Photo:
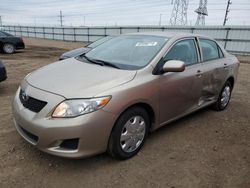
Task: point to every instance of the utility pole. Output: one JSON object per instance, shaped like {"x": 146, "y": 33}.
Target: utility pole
{"x": 160, "y": 20}
{"x": 1, "y": 23}
{"x": 179, "y": 12}
{"x": 227, "y": 10}
{"x": 61, "y": 18}
{"x": 202, "y": 12}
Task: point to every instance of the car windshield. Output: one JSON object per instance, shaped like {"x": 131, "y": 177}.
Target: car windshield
{"x": 98, "y": 42}
{"x": 6, "y": 34}
{"x": 129, "y": 52}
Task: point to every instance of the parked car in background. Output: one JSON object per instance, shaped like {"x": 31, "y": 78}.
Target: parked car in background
{"x": 9, "y": 43}
{"x": 110, "y": 98}
{"x": 80, "y": 51}
{"x": 3, "y": 72}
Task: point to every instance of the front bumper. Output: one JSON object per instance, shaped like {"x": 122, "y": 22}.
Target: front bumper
{"x": 91, "y": 131}
{"x": 20, "y": 45}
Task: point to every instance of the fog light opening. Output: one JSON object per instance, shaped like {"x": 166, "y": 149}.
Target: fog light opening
{"x": 70, "y": 144}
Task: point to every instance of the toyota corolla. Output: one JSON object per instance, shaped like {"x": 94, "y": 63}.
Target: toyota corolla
{"x": 111, "y": 97}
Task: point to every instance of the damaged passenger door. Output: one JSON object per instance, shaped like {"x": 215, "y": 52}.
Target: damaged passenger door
{"x": 214, "y": 68}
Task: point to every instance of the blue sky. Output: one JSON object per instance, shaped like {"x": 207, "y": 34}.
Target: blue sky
{"x": 115, "y": 12}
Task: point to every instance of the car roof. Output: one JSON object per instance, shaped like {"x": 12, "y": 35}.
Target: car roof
{"x": 168, "y": 34}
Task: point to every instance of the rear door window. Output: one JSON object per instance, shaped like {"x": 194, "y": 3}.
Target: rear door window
{"x": 210, "y": 50}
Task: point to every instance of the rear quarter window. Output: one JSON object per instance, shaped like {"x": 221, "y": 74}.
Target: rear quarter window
{"x": 220, "y": 52}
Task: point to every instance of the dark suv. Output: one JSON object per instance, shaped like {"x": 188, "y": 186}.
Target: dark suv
{"x": 9, "y": 43}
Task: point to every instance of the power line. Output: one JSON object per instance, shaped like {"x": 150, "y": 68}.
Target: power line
{"x": 128, "y": 11}
{"x": 227, "y": 10}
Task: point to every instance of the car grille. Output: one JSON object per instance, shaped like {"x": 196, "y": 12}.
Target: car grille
{"x": 31, "y": 103}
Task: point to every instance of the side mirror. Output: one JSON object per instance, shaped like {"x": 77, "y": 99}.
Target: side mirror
{"x": 173, "y": 66}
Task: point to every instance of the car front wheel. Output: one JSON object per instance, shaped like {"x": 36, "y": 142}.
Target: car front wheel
{"x": 129, "y": 133}
{"x": 224, "y": 97}
{"x": 8, "y": 48}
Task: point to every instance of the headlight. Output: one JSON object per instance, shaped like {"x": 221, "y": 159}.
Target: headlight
{"x": 77, "y": 107}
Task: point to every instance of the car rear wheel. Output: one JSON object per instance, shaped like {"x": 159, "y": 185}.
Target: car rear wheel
{"x": 8, "y": 48}
{"x": 129, "y": 133}
{"x": 224, "y": 97}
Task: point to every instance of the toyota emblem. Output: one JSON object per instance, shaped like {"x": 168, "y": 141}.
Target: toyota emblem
{"x": 25, "y": 97}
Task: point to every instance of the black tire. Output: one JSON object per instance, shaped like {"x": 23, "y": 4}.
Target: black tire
{"x": 218, "y": 105}
{"x": 8, "y": 48}
{"x": 114, "y": 146}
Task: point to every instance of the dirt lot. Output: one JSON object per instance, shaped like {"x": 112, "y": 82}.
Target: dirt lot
{"x": 205, "y": 149}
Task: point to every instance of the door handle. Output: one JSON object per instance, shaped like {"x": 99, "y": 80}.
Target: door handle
{"x": 225, "y": 65}
{"x": 199, "y": 73}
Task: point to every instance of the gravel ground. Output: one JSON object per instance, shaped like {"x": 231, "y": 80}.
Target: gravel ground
{"x": 205, "y": 149}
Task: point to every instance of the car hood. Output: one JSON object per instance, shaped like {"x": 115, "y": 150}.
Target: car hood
{"x": 76, "y": 79}
{"x": 75, "y": 52}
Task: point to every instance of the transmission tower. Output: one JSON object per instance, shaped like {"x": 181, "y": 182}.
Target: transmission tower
{"x": 202, "y": 12}
{"x": 179, "y": 12}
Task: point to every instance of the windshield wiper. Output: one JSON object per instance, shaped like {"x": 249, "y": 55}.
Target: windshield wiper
{"x": 100, "y": 62}
{"x": 106, "y": 63}
{"x": 91, "y": 60}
